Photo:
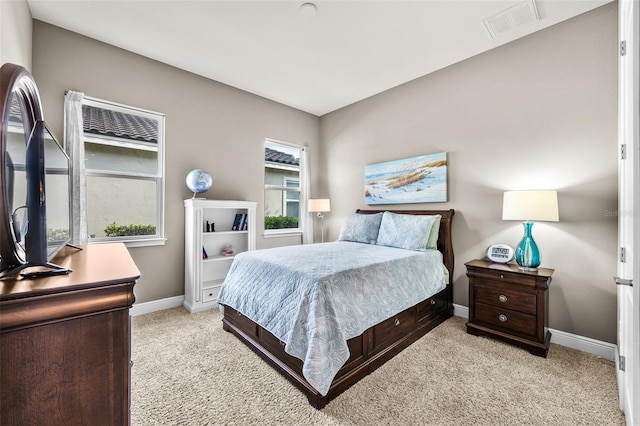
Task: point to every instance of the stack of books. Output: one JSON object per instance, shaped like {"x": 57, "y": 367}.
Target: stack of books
{"x": 240, "y": 222}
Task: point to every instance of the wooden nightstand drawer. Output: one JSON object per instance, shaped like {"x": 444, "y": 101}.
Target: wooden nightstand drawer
{"x": 506, "y": 299}
{"x": 504, "y": 318}
{"x": 499, "y": 276}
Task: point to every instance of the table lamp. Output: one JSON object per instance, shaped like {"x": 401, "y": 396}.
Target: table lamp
{"x": 529, "y": 206}
{"x": 320, "y": 205}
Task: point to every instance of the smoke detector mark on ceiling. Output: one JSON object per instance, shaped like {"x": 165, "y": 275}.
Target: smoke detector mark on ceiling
{"x": 511, "y": 18}
{"x": 308, "y": 9}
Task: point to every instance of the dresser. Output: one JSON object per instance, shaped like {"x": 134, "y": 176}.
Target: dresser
{"x": 65, "y": 341}
{"x": 509, "y": 304}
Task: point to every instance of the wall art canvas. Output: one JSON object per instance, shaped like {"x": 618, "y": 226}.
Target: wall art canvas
{"x": 420, "y": 179}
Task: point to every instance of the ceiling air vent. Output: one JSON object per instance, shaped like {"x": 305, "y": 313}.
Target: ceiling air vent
{"x": 511, "y": 18}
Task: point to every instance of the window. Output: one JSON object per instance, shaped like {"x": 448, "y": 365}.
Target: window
{"x": 282, "y": 188}
{"x": 124, "y": 173}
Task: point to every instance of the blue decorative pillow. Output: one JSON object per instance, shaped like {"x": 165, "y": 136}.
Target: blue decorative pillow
{"x": 405, "y": 231}
{"x": 361, "y": 228}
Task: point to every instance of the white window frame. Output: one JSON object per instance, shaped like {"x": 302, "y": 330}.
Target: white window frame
{"x": 286, "y": 200}
{"x": 287, "y": 232}
{"x": 159, "y": 178}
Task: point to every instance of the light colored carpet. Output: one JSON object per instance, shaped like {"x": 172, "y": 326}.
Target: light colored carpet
{"x": 188, "y": 371}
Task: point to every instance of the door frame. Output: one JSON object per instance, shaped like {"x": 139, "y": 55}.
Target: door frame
{"x": 628, "y": 348}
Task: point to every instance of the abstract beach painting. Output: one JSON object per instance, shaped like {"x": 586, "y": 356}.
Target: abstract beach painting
{"x": 420, "y": 179}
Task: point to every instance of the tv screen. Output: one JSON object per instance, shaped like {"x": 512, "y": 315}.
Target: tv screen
{"x": 57, "y": 186}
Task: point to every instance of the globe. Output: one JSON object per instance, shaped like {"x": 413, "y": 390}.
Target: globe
{"x": 198, "y": 181}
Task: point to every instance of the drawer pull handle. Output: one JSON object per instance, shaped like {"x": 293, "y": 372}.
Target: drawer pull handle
{"x": 501, "y": 276}
{"x": 433, "y": 302}
{"x": 503, "y": 318}
{"x": 502, "y": 298}
{"x": 397, "y": 322}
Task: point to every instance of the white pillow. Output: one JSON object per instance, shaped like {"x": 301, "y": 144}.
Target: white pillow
{"x": 361, "y": 228}
{"x": 406, "y": 231}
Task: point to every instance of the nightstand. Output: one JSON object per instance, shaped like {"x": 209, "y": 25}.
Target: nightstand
{"x": 509, "y": 304}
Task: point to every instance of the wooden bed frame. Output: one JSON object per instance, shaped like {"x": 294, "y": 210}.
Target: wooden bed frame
{"x": 372, "y": 348}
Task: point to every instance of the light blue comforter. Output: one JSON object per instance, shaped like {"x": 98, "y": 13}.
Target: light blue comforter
{"x": 315, "y": 297}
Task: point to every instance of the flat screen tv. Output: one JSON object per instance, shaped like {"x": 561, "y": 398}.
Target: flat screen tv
{"x": 35, "y": 212}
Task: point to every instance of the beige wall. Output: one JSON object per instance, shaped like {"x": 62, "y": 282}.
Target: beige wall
{"x": 208, "y": 125}
{"x": 537, "y": 113}
{"x": 15, "y": 33}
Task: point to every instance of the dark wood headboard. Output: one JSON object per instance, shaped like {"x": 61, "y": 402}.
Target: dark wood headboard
{"x": 445, "y": 244}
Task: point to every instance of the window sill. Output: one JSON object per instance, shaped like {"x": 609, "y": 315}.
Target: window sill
{"x": 282, "y": 233}
{"x": 134, "y": 243}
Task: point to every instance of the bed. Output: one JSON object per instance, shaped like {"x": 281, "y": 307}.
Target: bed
{"x": 339, "y": 318}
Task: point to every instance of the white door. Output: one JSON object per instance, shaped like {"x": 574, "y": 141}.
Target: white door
{"x": 628, "y": 284}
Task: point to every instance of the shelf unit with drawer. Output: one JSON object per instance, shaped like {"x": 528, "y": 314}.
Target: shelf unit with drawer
{"x": 203, "y": 277}
{"x": 509, "y": 304}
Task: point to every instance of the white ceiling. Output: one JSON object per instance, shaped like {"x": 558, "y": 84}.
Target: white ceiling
{"x": 346, "y": 52}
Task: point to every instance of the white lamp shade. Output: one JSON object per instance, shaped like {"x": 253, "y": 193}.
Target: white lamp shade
{"x": 530, "y": 206}
{"x": 319, "y": 205}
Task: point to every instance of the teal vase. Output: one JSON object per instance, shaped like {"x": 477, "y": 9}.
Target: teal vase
{"x": 527, "y": 253}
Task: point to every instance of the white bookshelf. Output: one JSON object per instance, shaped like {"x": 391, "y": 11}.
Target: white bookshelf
{"x": 204, "y": 277}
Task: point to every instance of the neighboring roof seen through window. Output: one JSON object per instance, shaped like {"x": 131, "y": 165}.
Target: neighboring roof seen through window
{"x": 106, "y": 122}
{"x": 280, "y": 157}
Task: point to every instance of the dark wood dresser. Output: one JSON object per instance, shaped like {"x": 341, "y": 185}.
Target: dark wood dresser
{"x": 65, "y": 341}
{"x": 509, "y": 304}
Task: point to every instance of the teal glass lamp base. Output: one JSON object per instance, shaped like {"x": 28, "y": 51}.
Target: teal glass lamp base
{"x": 527, "y": 253}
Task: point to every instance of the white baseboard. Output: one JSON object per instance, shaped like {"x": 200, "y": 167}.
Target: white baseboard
{"x": 585, "y": 344}
{"x": 156, "y": 305}
{"x": 460, "y": 311}
{"x": 573, "y": 341}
